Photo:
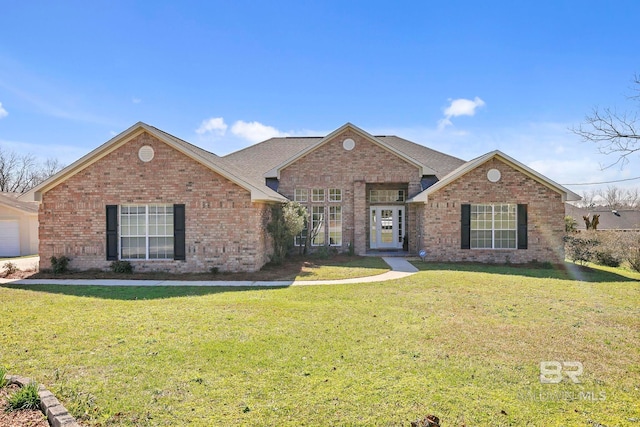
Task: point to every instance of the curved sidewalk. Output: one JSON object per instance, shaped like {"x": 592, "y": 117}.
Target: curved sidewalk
{"x": 400, "y": 268}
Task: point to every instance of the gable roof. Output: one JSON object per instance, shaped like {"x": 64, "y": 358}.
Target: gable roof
{"x": 567, "y": 195}
{"x": 11, "y": 200}
{"x": 610, "y": 219}
{"x": 268, "y": 158}
{"x": 259, "y": 191}
{"x": 424, "y": 169}
{"x": 257, "y": 159}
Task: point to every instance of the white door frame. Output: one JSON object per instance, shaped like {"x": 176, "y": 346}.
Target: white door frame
{"x": 379, "y": 228}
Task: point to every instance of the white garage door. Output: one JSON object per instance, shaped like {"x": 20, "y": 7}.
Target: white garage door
{"x": 9, "y": 238}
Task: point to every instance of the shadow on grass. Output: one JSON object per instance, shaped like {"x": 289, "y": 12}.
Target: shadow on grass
{"x": 132, "y": 293}
{"x": 566, "y": 271}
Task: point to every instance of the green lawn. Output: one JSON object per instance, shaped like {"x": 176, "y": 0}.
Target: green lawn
{"x": 464, "y": 343}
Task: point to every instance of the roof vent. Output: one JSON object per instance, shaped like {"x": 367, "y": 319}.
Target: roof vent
{"x": 348, "y": 144}
{"x": 146, "y": 153}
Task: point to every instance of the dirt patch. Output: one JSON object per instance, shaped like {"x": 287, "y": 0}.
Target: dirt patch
{"x": 289, "y": 270}
{"x": 26, "y": 418}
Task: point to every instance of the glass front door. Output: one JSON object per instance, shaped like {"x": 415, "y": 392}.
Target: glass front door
{"x": 387, "y": 227}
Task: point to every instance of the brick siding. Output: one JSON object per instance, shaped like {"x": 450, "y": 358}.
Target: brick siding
{"x": 331, "y": 166}
{"x": 439, "y": 219}
{"x": 224, "y": 228}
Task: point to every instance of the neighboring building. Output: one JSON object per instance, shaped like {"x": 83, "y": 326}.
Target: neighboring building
{"x": 18, "y": 226}
{"x": 609, "y": 219}
{"x": 164, "y": 204}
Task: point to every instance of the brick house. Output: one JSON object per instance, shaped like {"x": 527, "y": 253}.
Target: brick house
{"x": 164, "y": 204}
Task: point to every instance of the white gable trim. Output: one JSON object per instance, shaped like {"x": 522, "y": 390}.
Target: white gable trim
{"x": 257, "y": 193}
{"x": 275, "y": 172}
{"x": 567, "y": 195}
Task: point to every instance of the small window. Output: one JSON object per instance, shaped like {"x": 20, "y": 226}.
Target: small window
{"x": 317, "y": 195}
{"x": 301, "y": 195}
{"x": 386, "y": 196}
{"x": 335, "y": 195}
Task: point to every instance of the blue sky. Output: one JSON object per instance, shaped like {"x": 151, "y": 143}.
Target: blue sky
{"x": 462, "y": 77}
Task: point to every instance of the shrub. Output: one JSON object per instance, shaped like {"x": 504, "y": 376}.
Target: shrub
{"x": 25, "y": 398}
{"x": 59, "y": 265}
{"x": 632, "y": 250}
{"x": 214, "y": 270}
{"x": 121, "y": 267}
{"x": 3, "y": 380}
{"x": 322, "y": 252}
{"x": 351, "y": 251}
{"x": 607, "y": 257}
{"x": 581, "y": 248}
{"x": 10, "y": 268}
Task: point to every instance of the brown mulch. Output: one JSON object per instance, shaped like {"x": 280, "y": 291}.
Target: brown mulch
{"x": 25, "y": 418}
{"x": 288, "y": 270}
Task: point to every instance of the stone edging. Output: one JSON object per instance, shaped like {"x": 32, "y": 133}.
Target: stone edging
{"x": 57, "y": 415}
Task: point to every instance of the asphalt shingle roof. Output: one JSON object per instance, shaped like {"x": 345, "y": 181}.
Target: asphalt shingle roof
{"x": 622, "y": 219}
{"x": 10, "y": 199}
{"x": 260, "y": 158}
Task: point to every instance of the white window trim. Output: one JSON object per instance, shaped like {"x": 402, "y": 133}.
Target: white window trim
{"x": 338, "y": 228}
{"x": 338, "y": 192}
{"x": 313, "y": 199}
{"x": 298, "y": 199}
{"x": 146, "y": 237}
{"x": 493, "y": 228}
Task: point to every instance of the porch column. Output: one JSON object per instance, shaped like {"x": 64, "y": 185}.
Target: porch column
{"x": 360, "y": 215}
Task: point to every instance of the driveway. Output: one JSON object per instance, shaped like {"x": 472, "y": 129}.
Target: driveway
{"x": 23, "y": 263}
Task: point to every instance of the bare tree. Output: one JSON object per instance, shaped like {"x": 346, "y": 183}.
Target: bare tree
{"x": 20, "y": 172}
{"x": 613, "y": 196}
{"x": 588, "y": 199}
{"x": 613, "y": 132}
{"x": 632, "y": 198}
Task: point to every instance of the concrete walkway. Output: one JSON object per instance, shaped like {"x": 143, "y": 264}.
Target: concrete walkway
{"x": 400, "y": 268}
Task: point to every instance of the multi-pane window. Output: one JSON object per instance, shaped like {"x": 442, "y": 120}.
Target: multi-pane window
{"x": 494, "y": 226}
{"x": 300, "y": 195}
{"x": 386, "y": 196}
{"x": 317, "y": 195}
{"x": 146, "y": 232}
{"x": 335, "y": 195}
{"x": 317, "y": 225}
{"x": 335, "y": 225}
{"x": 301, "y": 238}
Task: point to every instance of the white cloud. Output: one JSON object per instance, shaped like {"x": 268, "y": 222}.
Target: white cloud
{"x": 214, "y": 125}
{"x": 460, "y": 107}
{"x": 136, "y": 100}
{"x": 3, "y": 112}
{"x": 255, "y": 131}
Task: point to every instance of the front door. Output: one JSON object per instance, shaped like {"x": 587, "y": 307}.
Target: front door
{"x": 387, "y": 227}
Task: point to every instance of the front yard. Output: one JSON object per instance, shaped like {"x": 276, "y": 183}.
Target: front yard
{"x": 463, "y": 343}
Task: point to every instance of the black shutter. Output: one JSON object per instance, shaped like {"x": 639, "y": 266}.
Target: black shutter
{"x": 112, "y": 232}
{"x": 179, "y": 252}
{"x": 522, "y": 227}
{"x": 466, "y": 227}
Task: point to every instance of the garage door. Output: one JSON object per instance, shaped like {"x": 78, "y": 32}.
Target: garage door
{"x": 9, "y": 238}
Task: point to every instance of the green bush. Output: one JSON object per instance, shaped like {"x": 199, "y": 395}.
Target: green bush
{"x": 322, "y": 252}
{"x": 3, "y": 380}
{"x": 607, "y": 257}
{"x": 25, "y": 398}
{"x": 59, "y": 265}
{"x": 581, "y": 248}
{"x": 121, "y": 267}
